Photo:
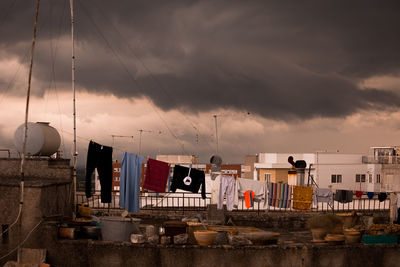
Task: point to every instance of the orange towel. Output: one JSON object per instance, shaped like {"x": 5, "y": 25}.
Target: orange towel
{"x": 249, "y": 198}
{"x": 302, "y": 197}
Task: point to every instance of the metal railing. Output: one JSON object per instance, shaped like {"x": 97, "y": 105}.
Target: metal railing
{"x": 381, "y": 159}
{"x": 181, "y": 202}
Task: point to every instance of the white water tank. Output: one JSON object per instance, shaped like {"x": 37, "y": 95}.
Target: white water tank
{"x": 42, "y": 139}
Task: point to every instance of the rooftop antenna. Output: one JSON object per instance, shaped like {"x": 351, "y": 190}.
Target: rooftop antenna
{"x": 120, "y": 136}
{"x": 216, "y": 128}
{"x": 75, "y": 155}
{"x": 25, "y": 132}
{"x": 216, "y": 133}
{"x": 140, "y": 137}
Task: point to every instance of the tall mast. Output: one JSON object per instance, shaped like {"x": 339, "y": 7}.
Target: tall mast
{"x": 75, "y": 155}
{"x": 216, "y": 132}
{"x": 22, "y": 166}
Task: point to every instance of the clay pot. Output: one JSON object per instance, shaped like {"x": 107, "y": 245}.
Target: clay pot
{"x": 66, "y": 232}
{"x": 352, "y": 236}
{"x": 335, "y": 239}
{"x": 205, "y": 237}
{"x": 262, "y": 237}
{"x": 192, "y": 227}
{"x": 318, "y": 234}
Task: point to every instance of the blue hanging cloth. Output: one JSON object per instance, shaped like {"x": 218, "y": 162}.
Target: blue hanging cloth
{"x": 131, "y": 170}
{"x": 370, "y": 195}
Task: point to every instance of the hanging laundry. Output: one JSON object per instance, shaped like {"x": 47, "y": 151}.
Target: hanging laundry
{"x": 393, "y": 210}
{"x": 249, "y": 198}
{"x": 169, "y": 179}
{"x": 397, "y": 217}
{"x": 359, "y": 194}
{"x": 131, "y": 170}
{"x": 344, "y": 196}
{"x": 279, "y": 195}
{"x": 99, "y": 157}
{"x": 285, "y": 197}
{"x": 215, "y": 186}
{"x": 156, "y": 175}
{"x": 302, "y": 197}
{"x": 272, "y": 197}
{"x": 288, "y": 196}
{"x": 259, "y": 188}
{"x": 323, "y": 195}
{"x": 227, "y": 187}
{"x": 188, "y": 179}
{"x": 271, "y": 193}
{"x": 382, "y": 197}
{"x": 370, "y": 195}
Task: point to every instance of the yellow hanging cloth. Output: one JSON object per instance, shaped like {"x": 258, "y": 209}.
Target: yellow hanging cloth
{"x": 302, "y": 197}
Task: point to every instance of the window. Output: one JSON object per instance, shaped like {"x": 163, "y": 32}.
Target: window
{"x": 370, "y": 177}
{"x": 360, "y": 178}
{"x": 267, "y": 177}
{"x": 378, "y": 178}
{"x": 336, "y": 178}
{"x": 363, "y": 178}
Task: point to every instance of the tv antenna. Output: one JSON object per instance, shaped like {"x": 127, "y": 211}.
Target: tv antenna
{"x": 141, "y": 131}
{"x": 120, "y": 136}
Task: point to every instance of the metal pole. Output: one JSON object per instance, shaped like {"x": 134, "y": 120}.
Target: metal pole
{"x": 75, "y": 155}
{"x": 140, "y": 140}
{"x": 22, "y": 181}
{"x": 216, "y": 132}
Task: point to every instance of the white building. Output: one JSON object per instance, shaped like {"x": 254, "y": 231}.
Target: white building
{"x": 379, "y": 171}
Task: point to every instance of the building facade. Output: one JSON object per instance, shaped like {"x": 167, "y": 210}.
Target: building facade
{"x": 376, "y": 172}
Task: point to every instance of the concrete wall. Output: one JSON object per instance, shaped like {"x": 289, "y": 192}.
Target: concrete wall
{"x": 39, "y": 201}
{"x": 42, "y": 168}
{"x": 325, "y": 164}
{"x": 105, "y": 253}
{"x": 47, "y": 192}
{"x": 347, "y": 165}
{"x": 101, "y": 253}
{"x": 249, "y": 161}
{"x": 277, "y": 175}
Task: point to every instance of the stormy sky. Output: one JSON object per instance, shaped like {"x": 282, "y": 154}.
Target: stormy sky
{"x": 282, "y": 76}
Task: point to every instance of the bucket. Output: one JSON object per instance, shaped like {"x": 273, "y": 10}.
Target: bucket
{"x": 84, "y": 211}
{"x": 193, "y": 226}
{"x": 173, "y": 228}
{"x": 119, "y": 228}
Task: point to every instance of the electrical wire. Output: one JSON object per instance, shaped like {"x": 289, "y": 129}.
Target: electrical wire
{"x": 22, "y": 183}
{"x": 7, "y": 13}
{"x": 4, "y": 94}
{"x": 53, "y": 54}
{"x": 20, "y": 244}
{"x": 134, "y": 80}
{"x": 88, "y": 139}
{"x": 16, "y": 220}
{"x": 152, "y": 76}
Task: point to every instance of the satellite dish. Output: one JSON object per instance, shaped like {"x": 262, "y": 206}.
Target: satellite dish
{"x": 216, "y": 162}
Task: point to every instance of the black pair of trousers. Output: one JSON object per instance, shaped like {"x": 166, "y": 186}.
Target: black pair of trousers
{"x": 99, "y": 157}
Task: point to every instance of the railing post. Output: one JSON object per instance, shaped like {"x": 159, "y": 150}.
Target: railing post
{"x": 183, "y": 203}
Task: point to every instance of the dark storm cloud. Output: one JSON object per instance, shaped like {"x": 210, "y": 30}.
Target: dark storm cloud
{"x": 282, "y": 60}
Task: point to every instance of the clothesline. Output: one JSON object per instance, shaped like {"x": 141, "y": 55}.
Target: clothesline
{"x": 156, "y": 177}
{"x": 133, "y": 178}
{"x": 91, "y": 139}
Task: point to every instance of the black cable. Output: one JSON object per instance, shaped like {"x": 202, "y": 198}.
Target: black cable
{"x": 152, "y": 76}
{"x": 130, "y": 75}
